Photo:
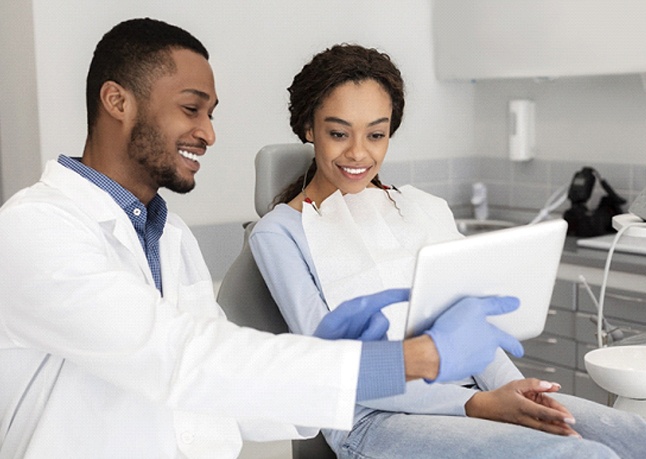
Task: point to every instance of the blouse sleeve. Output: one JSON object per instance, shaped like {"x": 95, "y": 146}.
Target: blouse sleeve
{"x": 279, "y": 247}
{"x": 289, "y": 273}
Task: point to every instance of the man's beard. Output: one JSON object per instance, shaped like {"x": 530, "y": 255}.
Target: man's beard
{"x": 148, "y": 147}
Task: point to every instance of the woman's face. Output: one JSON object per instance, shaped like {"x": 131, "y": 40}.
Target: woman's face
{"x": 350, "y": 136}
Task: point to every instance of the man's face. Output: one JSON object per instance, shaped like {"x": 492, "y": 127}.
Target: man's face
{"x": 173, "y": 127}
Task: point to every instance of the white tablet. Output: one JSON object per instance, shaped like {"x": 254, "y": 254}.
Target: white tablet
{"x": 521, "y": 261}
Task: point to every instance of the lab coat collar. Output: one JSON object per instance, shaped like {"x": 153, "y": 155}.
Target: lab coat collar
{"x": 99, "y": 206}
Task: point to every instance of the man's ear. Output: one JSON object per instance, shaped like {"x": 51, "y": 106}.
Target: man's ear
{"x": 117, "y": 101}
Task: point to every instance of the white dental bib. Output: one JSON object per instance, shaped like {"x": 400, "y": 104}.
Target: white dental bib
{"x": 367, "y": 242}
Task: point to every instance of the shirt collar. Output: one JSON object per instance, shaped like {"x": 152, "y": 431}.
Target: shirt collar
{"x": 157, "y": 209}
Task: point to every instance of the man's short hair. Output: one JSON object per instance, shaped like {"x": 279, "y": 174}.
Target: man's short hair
{"x": 134, "y": 54}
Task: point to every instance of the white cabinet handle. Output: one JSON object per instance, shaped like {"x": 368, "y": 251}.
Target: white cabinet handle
{"x": 529, "y": 366}
{"x": 619, "y": 296}
{"x": 546, "y": 340}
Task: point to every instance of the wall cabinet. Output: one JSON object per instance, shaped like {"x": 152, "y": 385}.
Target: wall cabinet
{"x": 546, "y": 38}
{"x": 570, "y": 332}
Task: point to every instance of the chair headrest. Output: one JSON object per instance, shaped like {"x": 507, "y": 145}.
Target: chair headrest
{"x": 276, "y": 167}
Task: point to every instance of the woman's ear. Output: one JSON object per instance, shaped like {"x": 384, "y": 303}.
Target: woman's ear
{"x": 309, "y": 135}
{"x": 116, "y": 100}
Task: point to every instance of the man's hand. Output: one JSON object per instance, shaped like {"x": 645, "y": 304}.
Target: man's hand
{"x": 524, "y": 402}
{"x": 466, "y": 341}
{"x": 360, "y": 318}
{"x": 461, "y": 343}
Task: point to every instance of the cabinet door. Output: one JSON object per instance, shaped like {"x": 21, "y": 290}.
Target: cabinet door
{"x": 545, "y": 38}
{"x": 619, "y": 304}
{"x": 552, "y": 349}
{"x": 560, "y": 322}
{"x": 623, "y": 309}
{"x": 585, "y": 387}
{"x": 581, "y": 350}
{"x": 586, "y": 328}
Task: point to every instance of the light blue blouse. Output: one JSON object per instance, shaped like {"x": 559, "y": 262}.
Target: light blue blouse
{"x": 280, "y": 248}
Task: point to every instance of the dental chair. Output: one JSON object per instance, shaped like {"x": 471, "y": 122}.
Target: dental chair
{"x": 243, "y": 294}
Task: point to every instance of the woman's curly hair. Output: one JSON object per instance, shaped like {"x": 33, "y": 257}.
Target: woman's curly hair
{"x": 336, "y": 66}
{"x": 326, "y": 71}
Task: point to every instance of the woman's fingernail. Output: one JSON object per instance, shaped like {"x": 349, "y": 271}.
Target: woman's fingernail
{"x": 570, "y": 421}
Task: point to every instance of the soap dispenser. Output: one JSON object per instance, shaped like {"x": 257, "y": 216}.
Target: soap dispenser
{"x": 522, "y": 136}
{"x": 479, "y": 201}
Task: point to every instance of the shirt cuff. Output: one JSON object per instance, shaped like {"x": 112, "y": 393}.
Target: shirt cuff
{"x": 381, "y": 370}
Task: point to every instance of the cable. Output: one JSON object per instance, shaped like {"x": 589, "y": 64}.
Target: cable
{"x": 610, "y": 331}
{"x": 556, "y": 199}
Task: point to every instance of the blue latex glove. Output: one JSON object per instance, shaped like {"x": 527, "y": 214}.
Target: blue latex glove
{"x": 466, "y": 341}
{"x": 360, "y": 318}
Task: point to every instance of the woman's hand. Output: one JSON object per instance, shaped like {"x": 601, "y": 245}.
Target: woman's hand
{"x": 524, "y": 402}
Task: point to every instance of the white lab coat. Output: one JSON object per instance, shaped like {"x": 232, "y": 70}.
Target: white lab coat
{"x": 95, "y": 363}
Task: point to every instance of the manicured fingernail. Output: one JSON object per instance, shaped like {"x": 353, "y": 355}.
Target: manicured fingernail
{"x": 545, "y": 385}
{"x": 556, "y": 384}
{"x": 570, "y": 421}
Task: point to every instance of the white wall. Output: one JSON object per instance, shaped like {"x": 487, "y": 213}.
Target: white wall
{"x": 19, "y": 141}
{"x": 256, "y": 49}
{"x": 600, "y": 119}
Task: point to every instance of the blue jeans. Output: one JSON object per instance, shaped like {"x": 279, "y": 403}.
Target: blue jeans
{"x": 606, "y": 432}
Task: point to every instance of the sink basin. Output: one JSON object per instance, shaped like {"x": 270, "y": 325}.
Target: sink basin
{"x": 620, "y": 370}
{"x": 469, "y": 226}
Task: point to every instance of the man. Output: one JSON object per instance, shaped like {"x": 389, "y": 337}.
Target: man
{"x": 111, "y": 343}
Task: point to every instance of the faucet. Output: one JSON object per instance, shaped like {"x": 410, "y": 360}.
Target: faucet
{"x": 479, "y": 201}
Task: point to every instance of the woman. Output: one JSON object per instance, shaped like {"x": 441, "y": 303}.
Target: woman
{"x": 337, "y": 232}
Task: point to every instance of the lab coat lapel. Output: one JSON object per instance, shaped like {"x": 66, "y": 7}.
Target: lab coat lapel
{"x": 125, "y": 234}
{"x": 100, "y": 207}
{"x": 170, "y": 258}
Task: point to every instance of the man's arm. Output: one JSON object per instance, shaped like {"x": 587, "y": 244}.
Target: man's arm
{"x": 460, "y": 343}
{"x": 421, "y": 358}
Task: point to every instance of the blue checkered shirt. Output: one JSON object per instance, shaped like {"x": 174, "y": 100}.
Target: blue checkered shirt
{"x": 148, "y": 221}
